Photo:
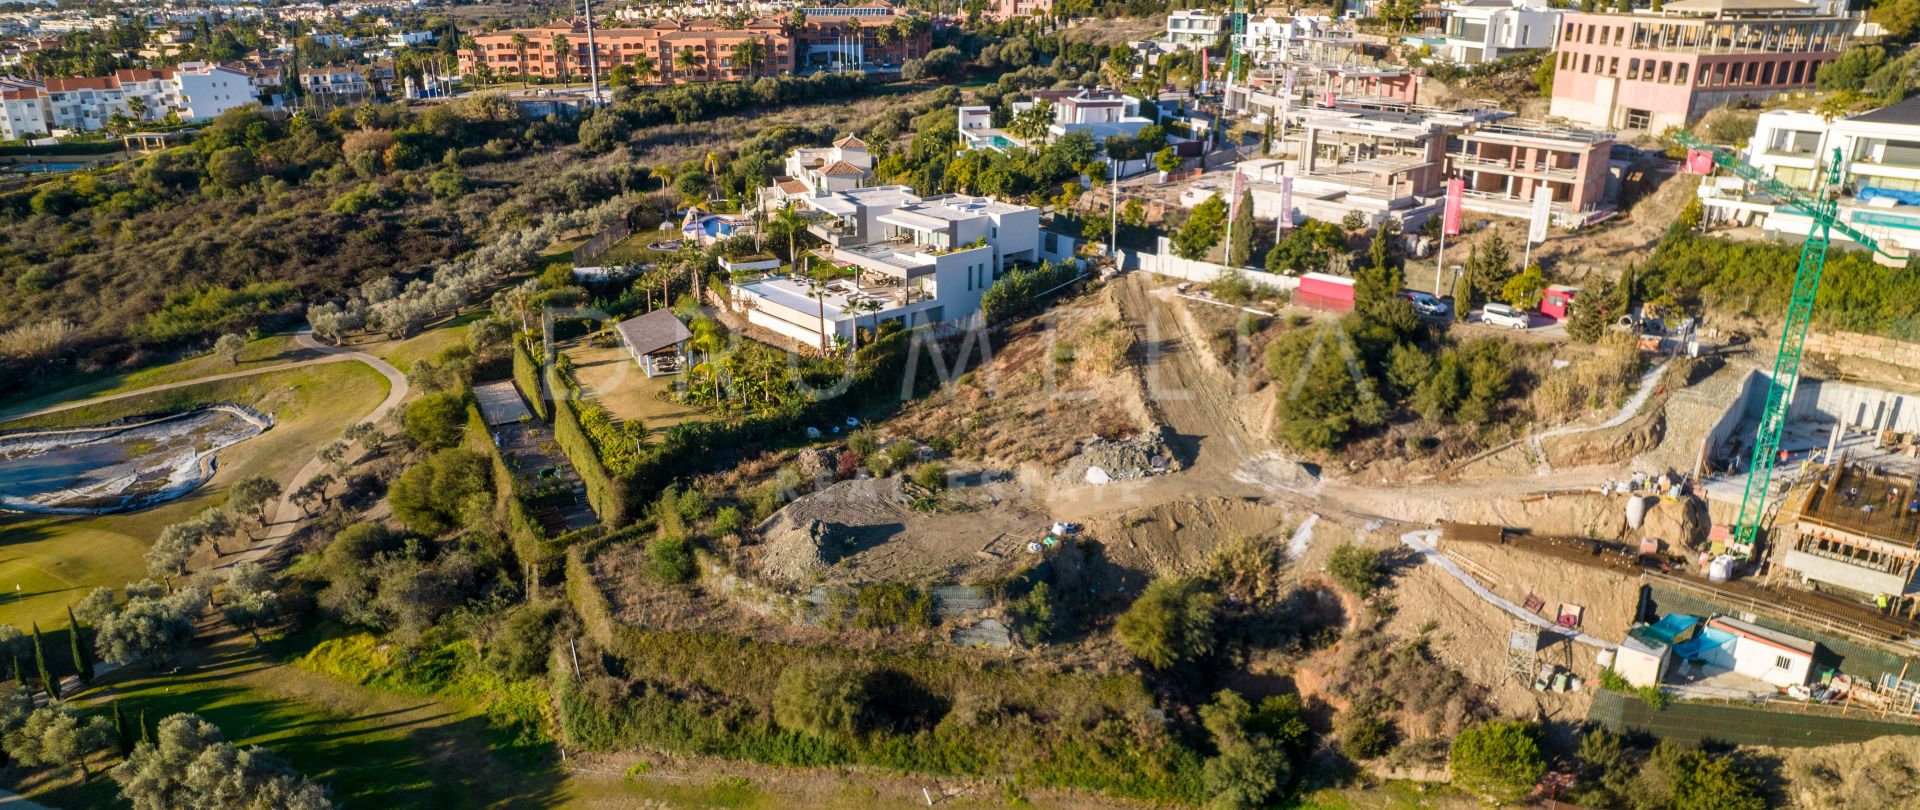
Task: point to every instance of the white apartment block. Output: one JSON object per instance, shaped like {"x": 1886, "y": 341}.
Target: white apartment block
{"x": 23, "y": 109}
{"x": 1485, "y": 30}
{"x": 916, "y": 261}
{"x": 195, "y": 91}
{"x": 203, "y": 91}
{"x": 1879, "y": 191}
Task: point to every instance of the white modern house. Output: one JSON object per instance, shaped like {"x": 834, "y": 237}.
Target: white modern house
{"x": 1099, "y": 112}
{"x": 1194, "y": 28}
{"x": 1269, "y": 38}
{"x": 334, "y": 80}
{"x": 1880, "y": 180}
{"x": 913, "y": 261}
{"x": 1485, "y": 30}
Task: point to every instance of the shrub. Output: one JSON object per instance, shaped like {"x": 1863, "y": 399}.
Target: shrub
{"x": 434, "y": 421}
{"x": 931, "y": 475}
{"x": 670, "y": 558}
{"x": 1171, "y": 623}
{"x": 825, "y": 701}
{"x": 1356, "y": 569}
{"x": 440, "y": 493}
{"x": 1366, "y": 728}
{"x": 892, "y": 604}
{"x": 1499, "y": 760}
{"x": 727, "y": 521}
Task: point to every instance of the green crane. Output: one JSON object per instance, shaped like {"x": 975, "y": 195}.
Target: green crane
{"x": 1821, "y": 207}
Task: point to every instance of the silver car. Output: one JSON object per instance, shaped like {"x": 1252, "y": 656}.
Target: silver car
{"x": 1429, "y": 306}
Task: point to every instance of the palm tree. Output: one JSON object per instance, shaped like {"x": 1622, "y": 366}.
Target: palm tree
{"x": 645, "y": 67}
{"x": 520, "y": 48}
{"x": 882, "y": 37}
{"x": 790, "y": 223}
{"x": 712, "y": 167}
{"x": 864, "y": 306}
{"x": 560, "y": 57}
{"x": 687, "y": 61}
{"x": 1031, "y": 123}
{"x": 853, "y": 32}
{"x": 707, "y": 340}
{"x": 819, "y": 294}
{"x": 747, "y": 56}
{"x": 472, "y": 46}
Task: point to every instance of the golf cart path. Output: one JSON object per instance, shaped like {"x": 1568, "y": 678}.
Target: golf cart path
{"x": 288, "y": 517}
{"x": 305, "y": 339}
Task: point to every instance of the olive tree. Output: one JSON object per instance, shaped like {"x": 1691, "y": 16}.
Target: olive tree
{"x": 189, "y": 763}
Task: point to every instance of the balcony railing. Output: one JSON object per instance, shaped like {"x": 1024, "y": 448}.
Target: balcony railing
{"x": 1503, "y": 167}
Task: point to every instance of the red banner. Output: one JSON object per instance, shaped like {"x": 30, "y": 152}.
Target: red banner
{"x": 1699, "y": 161}
{"x": 1456, "y": 192}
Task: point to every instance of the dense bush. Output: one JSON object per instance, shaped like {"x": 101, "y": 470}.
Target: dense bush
{"x": 1356, "y": 569}
{"x": 1170, "y": 623}
{"x": 450, "y": 488}
{"x": 434, "y": 421}
{"x": 827, "y": 702}
{"x": 1499, "y": 760}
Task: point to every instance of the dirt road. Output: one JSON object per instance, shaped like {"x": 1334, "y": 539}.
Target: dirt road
{"x": 288, "y": 517}
{"x": 1204, "y": 430}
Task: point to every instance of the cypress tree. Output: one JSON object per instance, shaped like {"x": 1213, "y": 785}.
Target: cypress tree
{"x": 47, "y": 682}
{"x": 19, "y": 672}
{"x": 146, "y": 732}
{"x": 82, "y": 656}
{"x": 122, "y": 735}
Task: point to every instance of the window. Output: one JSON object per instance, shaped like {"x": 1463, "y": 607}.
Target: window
{"x": 1586, "y": 63}
{"x": 1782, "y": 662}
{"x": 1638, "y": 119}
{"x": 1680, "y": 73}
{"x": 1633, "y": 69}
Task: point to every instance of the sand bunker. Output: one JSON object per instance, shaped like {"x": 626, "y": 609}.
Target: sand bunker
{"x": 118, "y": 467}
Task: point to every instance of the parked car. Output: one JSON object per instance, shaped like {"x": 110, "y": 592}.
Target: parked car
{"x": 1504, "y": 315}
{"x": 1429, "y": 306}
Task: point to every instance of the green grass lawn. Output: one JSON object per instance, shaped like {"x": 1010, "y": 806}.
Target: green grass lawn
{"x": 423, "y": 346}
{"x": 267, "y": 351}
{"x": 372, "y": 748}
{"x": 55, "y": 560}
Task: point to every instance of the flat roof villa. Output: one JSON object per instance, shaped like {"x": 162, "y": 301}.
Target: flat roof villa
{"x": 911, "y": 260}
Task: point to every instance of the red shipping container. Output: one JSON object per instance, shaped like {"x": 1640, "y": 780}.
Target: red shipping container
{"x": 1322, "y": 291}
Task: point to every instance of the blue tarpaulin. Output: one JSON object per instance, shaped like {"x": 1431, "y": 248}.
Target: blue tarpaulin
{"x": 1871, "y": 193}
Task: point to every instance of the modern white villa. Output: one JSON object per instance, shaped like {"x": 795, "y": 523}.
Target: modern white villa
{"x": 914, "y": 261}
{"x": 1097, "y": 111}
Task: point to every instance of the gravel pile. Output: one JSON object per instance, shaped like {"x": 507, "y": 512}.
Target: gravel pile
{"x": 1103, "y": 460}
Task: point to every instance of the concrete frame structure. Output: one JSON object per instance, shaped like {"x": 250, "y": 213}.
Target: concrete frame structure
{"x": 1485, "y": 30}
{"x": 1503, "y": 161}
{"x": 1866, "y": 543}
{"x": 1650, "y": 70}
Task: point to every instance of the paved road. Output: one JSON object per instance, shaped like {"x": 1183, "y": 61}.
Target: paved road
{"x": 287, "y": 517}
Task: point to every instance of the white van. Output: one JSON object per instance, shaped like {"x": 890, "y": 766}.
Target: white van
{"x": 1504, "y": 315}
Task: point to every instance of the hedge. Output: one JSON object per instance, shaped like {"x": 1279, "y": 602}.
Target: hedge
{"x": 595, "y": 612}
{"x": 526, "y": 377}
{"x": 528, "y": 539}
{"x": 52, "y": 150}
{"x": 607, "y": 495}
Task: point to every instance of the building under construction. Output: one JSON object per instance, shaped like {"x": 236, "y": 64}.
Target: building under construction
{"x": 1854, "y": 530}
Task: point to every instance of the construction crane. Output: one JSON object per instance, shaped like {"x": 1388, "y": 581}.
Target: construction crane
{"x": 1822, "y": 208}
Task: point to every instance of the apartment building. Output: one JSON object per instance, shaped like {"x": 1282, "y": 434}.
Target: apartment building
{"x": 675, "y": 51}
{"x": 1015, "y": 9}
{"x": 1650, "y": 70}
{"x": 696, "y": 50}
{"x": 202, "y": 90}
{"x": 23, "y": 109}
{"x": 914, "y": 261}
{"x": 194, "y": 91}
{"x": 1485, "y": 30}
{"x": 1879, "y": 191}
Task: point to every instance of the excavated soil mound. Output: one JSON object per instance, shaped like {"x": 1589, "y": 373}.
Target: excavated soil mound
{"x": 876, "y": 529}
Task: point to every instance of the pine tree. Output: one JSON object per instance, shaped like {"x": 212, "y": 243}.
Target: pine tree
{"x": 47, "y": 682}
{"x": 122, "y": 735}
{"x": 1240, "y": 250}
{"x": 82, "y": 657}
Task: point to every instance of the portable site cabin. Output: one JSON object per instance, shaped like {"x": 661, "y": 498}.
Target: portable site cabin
{"x": 1770, "y": 655}
{"x": 1648, "y": 650}
{"x": 1556, "y": 300}
{"x": 657, "y": 341}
